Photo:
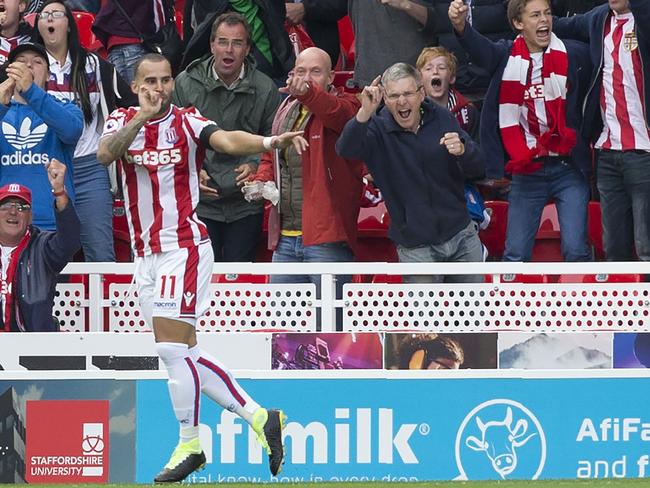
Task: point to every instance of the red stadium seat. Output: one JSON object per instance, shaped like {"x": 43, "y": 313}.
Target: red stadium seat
{"x": 520, "y": 278}
{"x": 262, "y": 252}
{"x": 494, "y": 237}
{"x": 30, "y": 19}
{"x": 601, "y": 278}
{"x": 547, "y": 242}
{"x": 239, "y": 278}
{"x": 178, "y": 16}
{"x": 84, "y": 21}
{"x": 346, "y": 37}
{"x": 342, "y": 79}
{"x": 121, "y": 236}
{"x": 373, "y": 243}
{"x": 595, "y": 230}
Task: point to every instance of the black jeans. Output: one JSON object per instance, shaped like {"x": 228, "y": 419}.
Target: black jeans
{"x": 624, "y": 187}
{"x": 235, "y": 241}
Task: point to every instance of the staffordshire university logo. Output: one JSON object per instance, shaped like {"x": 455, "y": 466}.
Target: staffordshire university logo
{"x": 500, "y": 438}
{"x": 23, "y": 140}
{"x": 92, "y": 446}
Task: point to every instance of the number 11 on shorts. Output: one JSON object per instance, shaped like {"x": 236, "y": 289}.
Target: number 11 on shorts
{"x": 163, "y": 286}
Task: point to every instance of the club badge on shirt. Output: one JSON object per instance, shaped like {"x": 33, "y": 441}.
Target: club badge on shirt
{"x": 170, "y": 136}
{"x": 630, "y": 42}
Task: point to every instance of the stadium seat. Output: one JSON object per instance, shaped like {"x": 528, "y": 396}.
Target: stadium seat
{"x": 520, "y": 278}
{"x": 601, "y": 278}
{"x": 595, "y": 230}
{"x": 373, "y": 243}
{"x": 346, "y": 38}
{"x": 30, "y": 19}
{"x": 343, "y": 80}
{"x": 178, "y": 16}
{"x": 84, "y": 21}
{"x": 121, "y": 237}
{"x": 262, "y": 252}
{"x": 494, "y": 237}
{"x": 239, "y": 278}
{"x": 547, "y": 241}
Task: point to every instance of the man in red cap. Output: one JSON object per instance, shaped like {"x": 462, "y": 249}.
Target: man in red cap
{"x": 27, "y": 290}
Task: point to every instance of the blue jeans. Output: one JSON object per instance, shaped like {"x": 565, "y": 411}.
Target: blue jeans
{"x": 94, "y": 205}
{"x": 124, "y": 57}
{"x": 465, "y": 246}
{"x": 291, "y": 250}
{"x": 235, "y": 241}
{"x": 567, "y": 187}
{"x": 624, "y": 187}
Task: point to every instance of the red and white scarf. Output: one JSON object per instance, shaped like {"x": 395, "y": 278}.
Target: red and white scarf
{"x": 559, "y": 139}
{"x": 8, "y": 284}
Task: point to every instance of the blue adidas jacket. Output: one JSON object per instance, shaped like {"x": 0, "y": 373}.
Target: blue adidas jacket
{"x": 30, "y": 135}
{"x": 422, "y": 184}
{"x": 493, "y": 56}
{"x": 590, "y": 27}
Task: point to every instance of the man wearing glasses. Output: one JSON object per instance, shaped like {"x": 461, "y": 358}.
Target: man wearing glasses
{"x": 31, "y": 259}
{"x": 420, "y": 158}
{"x": 227, "y": 87}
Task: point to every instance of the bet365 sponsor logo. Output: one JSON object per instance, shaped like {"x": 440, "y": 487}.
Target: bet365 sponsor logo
{"x": 150, "y": 157}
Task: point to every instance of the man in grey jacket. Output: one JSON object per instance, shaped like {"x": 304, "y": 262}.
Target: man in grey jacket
{"x": 227, "y": 88}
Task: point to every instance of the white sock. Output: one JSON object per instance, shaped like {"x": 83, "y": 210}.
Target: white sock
{"x": 188, "y": 434}
{"x": 184, "y": 384}
{"x": 220, "y": 386}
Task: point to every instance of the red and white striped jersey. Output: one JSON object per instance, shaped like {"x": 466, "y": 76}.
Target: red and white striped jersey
{"x": 532, "y": 118}
{"x": 621, "y": 103}
{"x": 161, "y": 179}
{"x": 8, "y": 43}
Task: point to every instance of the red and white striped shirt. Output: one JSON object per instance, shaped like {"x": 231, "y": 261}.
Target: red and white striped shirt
{"x": 532, "y": 118}
{"x": 8, "y": 43}
{"x": 161, "y": 179}
{"x": 621, "y": 103}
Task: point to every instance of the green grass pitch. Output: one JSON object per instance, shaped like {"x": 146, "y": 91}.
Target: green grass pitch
{"x": 603, "y": 483}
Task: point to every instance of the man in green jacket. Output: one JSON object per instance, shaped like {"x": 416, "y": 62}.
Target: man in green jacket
{"x": 227, "y": 88}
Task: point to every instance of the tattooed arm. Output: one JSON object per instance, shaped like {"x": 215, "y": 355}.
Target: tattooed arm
{"x": 114, "y": 146}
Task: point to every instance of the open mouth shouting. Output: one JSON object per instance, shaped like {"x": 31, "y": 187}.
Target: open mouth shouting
{"x": 404, "y": 114}
{"x": 227, "y": 62}
{"x": 543, "y": 35}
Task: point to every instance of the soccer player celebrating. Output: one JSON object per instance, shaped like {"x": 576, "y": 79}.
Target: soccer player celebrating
{"x": 160, "y": 148}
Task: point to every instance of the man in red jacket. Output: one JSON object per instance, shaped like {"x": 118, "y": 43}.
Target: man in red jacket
{"x": 315, "y": 219}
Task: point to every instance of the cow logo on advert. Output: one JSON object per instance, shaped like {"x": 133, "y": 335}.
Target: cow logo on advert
{"x": 500, "y": 439}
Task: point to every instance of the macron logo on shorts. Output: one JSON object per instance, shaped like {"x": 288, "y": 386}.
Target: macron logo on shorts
{"x": 188, "y": 297}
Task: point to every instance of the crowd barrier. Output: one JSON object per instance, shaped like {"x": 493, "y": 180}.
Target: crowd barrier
{"x": 105, "y": 299}
{"x": 352, "y": 416}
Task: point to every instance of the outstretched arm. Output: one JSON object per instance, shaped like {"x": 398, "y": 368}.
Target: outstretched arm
{"x": 240, "y": 143}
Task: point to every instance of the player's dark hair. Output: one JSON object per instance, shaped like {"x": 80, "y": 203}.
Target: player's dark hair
{"x": 151, "y": 57}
